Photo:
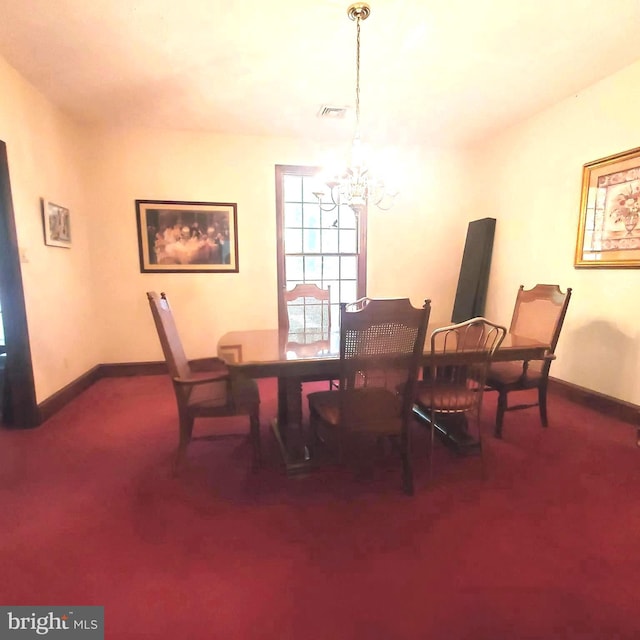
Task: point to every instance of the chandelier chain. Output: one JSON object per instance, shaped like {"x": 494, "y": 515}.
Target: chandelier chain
{"x": 358, "y": 75}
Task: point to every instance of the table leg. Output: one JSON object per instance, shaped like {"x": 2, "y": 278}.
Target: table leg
{"x": 288, "y": 426}
{"x": 283, "y": 417}
{"x": 289, "y": 404}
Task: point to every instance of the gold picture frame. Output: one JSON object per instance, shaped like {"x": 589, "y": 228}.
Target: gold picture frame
{"x": 609, "y": 224}
{"x": 179, "y": 237}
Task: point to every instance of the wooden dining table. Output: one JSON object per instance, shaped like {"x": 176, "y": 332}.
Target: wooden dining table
{"x": 293, "y": 358}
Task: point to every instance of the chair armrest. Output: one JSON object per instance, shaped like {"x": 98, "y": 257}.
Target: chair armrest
{"x": 203, "y": 379}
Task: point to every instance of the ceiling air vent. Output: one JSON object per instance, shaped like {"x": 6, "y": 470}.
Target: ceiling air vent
{"x": 332, "y": 113}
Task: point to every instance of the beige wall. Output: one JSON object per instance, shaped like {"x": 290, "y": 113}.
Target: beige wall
{"x": 44, "y": 152}
{"x": 530, "y": 180}
{"x": 406, "y": 245}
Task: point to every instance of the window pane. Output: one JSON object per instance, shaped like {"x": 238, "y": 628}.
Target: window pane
{"x": 311, "y": 240}
{"x": 335, "y": 289}
{"x": 349, "y": 291}
{"x": 335, "y": 315}
{"x": 330, "y": 240}
{"x": 347, "y": 218}
{"x": 311, "y": 217}
{"x": 292, "y": 241}
{"x": 349, "y": 265}
{"x": 330, "y": 219}
{"x": 293, "y": 266}
{"x": 331, "y": 267}
{"x": 292, "y": 215}
{"x": 309, "y": 185}
{"x": 348, "y": 241}
{"x": 313, "y": 268}
{"x": 292, "y": 188}
{"x": 296, "y": 317}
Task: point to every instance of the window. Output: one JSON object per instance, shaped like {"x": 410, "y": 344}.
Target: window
{"x": 326, "y": 248}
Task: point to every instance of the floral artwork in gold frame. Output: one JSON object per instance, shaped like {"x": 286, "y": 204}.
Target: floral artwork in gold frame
{"x": 609, "y": 226}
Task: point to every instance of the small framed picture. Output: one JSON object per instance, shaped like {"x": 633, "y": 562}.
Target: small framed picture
{"x": 56, "y": 221}
{"x": 182, "y": 237}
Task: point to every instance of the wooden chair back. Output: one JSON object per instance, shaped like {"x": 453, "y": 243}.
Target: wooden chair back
{"x": 539, "y": 313}
{"x": 358, "y": 304}
{"x": 381, "y": 346}
{"x": 169, "y": 337}
{"x": 308, "y": 317}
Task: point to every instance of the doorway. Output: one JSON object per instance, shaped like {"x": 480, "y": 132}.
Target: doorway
{"x": 19, "y": 406}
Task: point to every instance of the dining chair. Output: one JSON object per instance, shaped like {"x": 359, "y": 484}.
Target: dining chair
{"x": 538, "y": 313}
{"x": 308, "y": 322}
{"x": 454, "y": 378}
{"x": 308, "y": 312}
{"x": 217, "y": 393}
{"x": 381, "y": 349}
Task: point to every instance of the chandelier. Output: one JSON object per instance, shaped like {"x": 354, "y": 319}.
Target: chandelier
{"x": 357, "y": 186}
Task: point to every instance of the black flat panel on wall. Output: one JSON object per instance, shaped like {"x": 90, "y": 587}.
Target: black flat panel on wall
{"x": 474, "y": 270}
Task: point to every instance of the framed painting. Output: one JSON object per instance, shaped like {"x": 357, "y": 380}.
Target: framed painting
{"x": 608, "y": 228}
{"x": 56, "y": 221}
{"x": 177, "y": 237}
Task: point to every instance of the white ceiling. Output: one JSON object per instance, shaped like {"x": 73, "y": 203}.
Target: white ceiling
{"x": 436, "y": 71}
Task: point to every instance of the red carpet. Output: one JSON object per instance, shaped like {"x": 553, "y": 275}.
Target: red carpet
{"x": 545, "y": 546}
